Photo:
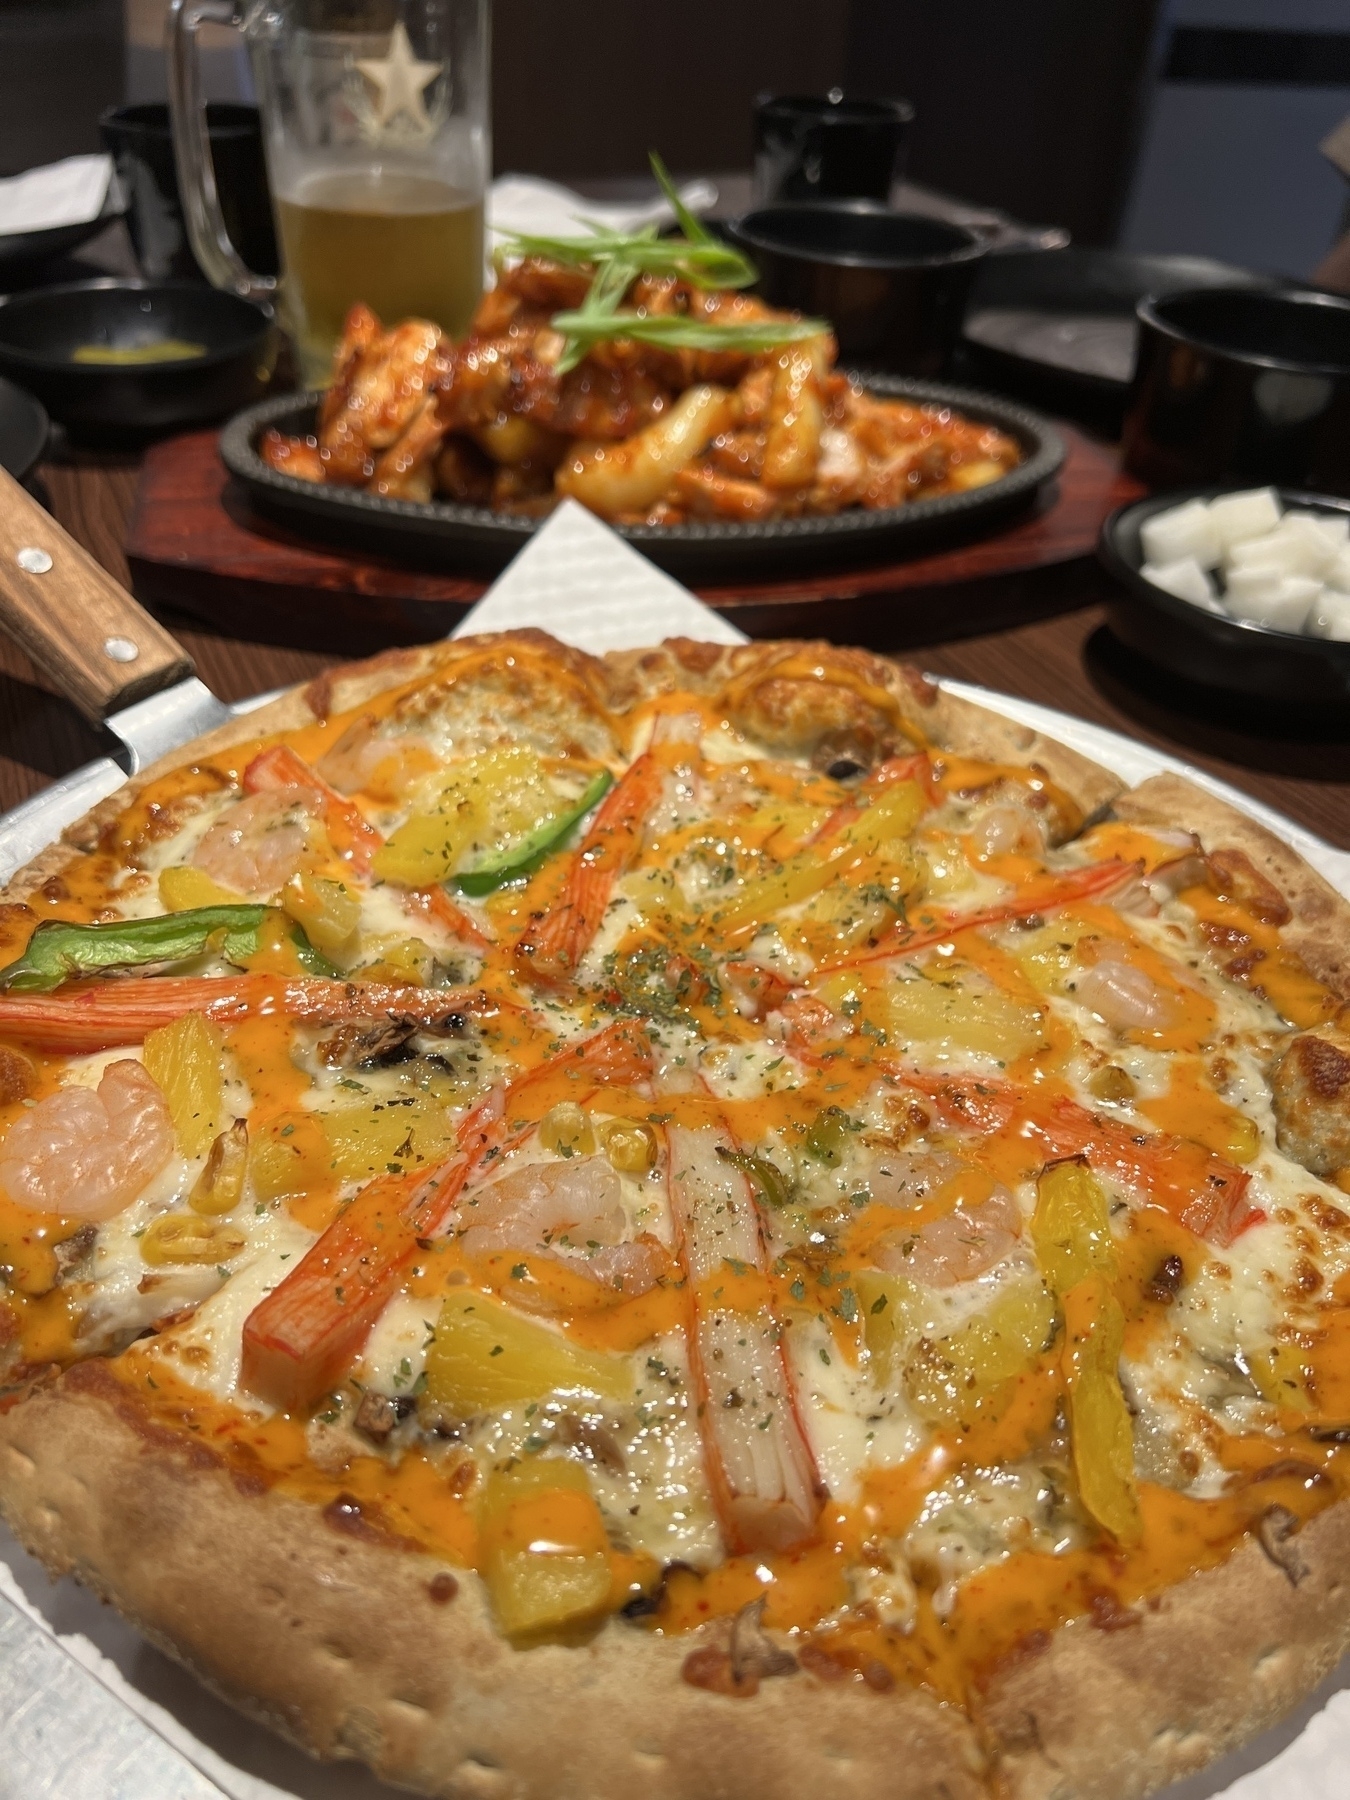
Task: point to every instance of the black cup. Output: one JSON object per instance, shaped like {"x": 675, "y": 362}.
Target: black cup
{"x": 1250, "y": 385}
{"x": 893, "y": 285}
{"x": 142, "y": 147}
{"x": 828, "y": 146}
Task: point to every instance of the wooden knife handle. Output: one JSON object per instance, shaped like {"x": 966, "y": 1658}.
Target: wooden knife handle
{"x": 81, "y": 628}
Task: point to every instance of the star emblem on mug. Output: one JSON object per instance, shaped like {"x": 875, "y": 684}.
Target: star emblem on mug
{"x": 400, "y": 81}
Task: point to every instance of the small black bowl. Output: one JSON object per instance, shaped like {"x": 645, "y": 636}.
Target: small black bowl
{"x": 1242, "y": 385}
{"x": 828, "y": 146}
{"x": 893, "y": 285}
{"x": 41, "y": 330}
{"x": 1206, "y": 647}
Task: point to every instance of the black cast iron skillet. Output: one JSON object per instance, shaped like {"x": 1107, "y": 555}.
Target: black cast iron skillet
{"x": 442, "y": 534}
{"x": 1203, "y": 647}
{"x": 40, "y": 330}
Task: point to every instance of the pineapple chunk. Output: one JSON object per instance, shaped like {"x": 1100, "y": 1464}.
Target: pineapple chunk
{"x": 376, "y": 1136}
{"x": 327, "y": 911}
{"x": 185, "y": 1060}
{"x": 543, "y": 1549}
{"x": 402, "y": 962}
{"x": 950, "y": 1380}
{"x": 484, "y": 1355}
{"x": 566, "y": 1130}
{"x": 289, "y": 1154}
{"x": 964, "y": 1013}
{"x": 183, "y": 888}
{"x": 490, "y": 801}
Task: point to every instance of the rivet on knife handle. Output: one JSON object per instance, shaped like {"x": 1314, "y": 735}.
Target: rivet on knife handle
{"x": 81, "y": 628}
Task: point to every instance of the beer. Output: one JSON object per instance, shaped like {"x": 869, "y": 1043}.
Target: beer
{"x": 408, "y": 245}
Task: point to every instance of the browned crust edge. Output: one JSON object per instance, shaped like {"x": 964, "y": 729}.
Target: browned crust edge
{"x": 1112, "y": 1715}
{"x": 336, "y": 1642}
{"x": 1319, "y": 931}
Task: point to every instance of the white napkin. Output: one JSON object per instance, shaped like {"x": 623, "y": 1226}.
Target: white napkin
{"x": 527, "y": 204}
{"x": 70, "y": 192}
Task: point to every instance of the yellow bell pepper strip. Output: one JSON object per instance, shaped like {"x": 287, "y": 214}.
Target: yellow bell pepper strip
{"x": 1071, "y": 1231}
{"x": 300, "y": 1339}
{"x": 763, "y": 1477}
{"x": 534, "y": 849}
{"x": 100, "y": 1015}
{"x": 58, "y": 952}
{"x": 1091, "y": 883}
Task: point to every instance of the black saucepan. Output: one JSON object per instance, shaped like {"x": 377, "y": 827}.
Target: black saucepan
{"x": 1206, "y": 647}
{"x": 234, "y": 345}
{"x": 893, "y": 285}
{"x": 1244, "y": 385}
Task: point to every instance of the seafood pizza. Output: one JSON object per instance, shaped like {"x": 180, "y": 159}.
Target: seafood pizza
{"x": 708, "y": 1221}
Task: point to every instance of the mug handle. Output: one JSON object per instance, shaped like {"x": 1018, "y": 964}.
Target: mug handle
{"x": 220, "y": 262}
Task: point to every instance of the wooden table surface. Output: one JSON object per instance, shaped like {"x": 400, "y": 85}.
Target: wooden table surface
{"x": 1067, "y": 660}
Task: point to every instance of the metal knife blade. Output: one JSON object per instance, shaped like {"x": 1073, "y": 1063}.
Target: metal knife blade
{"x": 154, "y": 726}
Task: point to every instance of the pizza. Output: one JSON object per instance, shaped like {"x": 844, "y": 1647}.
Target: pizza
{"x": 705, "y": 1221}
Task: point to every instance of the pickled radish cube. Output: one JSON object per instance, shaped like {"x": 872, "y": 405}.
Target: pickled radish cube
{"x": 1184, "y": 579}
{"x": 1180, "y": 533}
{"x": 1318, "y": 546}
{"x": 1259, "y": 582}
{"x": 1286, "y": 609}
{"x": 1338, "y": 575}
{"x": 1329, "y": 617}
{"x": 1291, "y": 555}
{"x": 1244, "y": 515}
{"x": 1333, "y": 526}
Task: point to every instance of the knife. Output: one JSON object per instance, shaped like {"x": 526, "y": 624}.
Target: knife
{"x": 102, "y": 652}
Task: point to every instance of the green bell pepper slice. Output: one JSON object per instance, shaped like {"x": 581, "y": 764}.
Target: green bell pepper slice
{"x": 57, "y": 951}
{"x": 524, "y": 857}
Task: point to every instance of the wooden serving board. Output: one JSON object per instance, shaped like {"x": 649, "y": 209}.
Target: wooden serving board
{"x": 195, "y": 546}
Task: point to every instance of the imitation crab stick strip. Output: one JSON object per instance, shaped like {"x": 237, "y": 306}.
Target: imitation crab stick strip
{"x": 760, "y": 1468}
{"x": 300, "y": 1339}
{"x": 1090, "y": 883}
{"x": 100, "y": 1015}
{"x": 549, "y": 951}
{"x": 1204, "y": 1192}
{"x": 896, "y": 768}
{"x": 353, "y": 833}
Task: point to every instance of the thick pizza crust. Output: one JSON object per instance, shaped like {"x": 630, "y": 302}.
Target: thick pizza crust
{"x": 1114, "y": 1714}
{"x": 335, "y": 1639}
{"x": 337, "y": 1643}
{"x": 1318, "y": 929}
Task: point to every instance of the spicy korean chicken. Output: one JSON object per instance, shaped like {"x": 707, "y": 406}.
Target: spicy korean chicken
{"x": 650, "y": 394}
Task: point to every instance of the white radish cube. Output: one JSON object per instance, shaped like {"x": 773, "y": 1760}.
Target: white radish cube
{"x": 1290, "y": 553}
{"x": 1245, "y": 515}
{"x": 1261, "y": 581}
{"x": 1334, "y": 526}
{"x": 1330, "y": 617}
{"x": 1338, "y": 575}
{"x": 1184, "y": 579}
{"x": 1183, "y": 531}
{"x": 1285, "y": 610}
{"x": 1319, "y": 546}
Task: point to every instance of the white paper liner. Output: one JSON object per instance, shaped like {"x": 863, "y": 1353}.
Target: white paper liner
{"x": 584, "y": 584}
{"x": 70, "y": 192}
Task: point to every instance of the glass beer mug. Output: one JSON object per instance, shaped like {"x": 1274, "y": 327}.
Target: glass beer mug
{"x": 375, "y": 129}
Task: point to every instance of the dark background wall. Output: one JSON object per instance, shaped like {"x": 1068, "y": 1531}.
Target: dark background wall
{"x": 1029, "y": 105}
{"x": 586, "y": 87}
{"x": 60, "y": 65}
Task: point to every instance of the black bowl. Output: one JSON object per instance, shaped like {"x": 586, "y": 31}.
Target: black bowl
{"x": 893, "y": 285}
{"x": 1205, "y": 647}
{"x": 1244, "y": 386}
{"x": 40, "y": 331}
{"x": 828, "y": 146}
{"x": 1059, "y": 328}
